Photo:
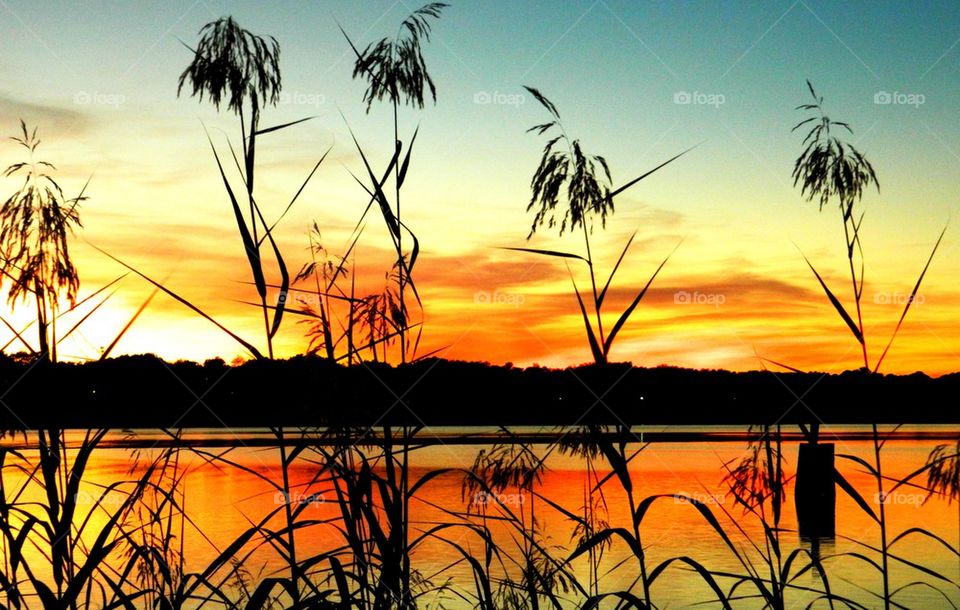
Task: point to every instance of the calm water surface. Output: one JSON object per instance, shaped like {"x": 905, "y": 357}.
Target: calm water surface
{"x": 222, "y": 500}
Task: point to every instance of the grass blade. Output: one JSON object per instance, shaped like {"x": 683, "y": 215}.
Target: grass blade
{"x": 406, "y": 159}
{"x": 284, "y": 277}
{"x": 599, "y": 355}
{"x": 629, "y": 310}
{"x": 641, "y": 177}
{"x": 260, "y": 132}
{"x": 123, "y": 331}
{"x": 853, "y": 493}
{"x": 549, "y": 253}
{"x": 87, "y": 315}
{"x": 254, "y": 351}
{"x": 603, "y": 292}
{"x": 913, "y": 295}
{"x": 297, "y": 195}
{"x": 18, "y": 336}
{"x": 249, "y": 246}
{"x": 837, "y": 305}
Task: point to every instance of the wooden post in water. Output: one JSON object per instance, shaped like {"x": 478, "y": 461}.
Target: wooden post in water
{"x": 815, "y": 492}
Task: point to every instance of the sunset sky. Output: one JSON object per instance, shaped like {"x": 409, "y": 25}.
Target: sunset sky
{"x": 100, "y": 81}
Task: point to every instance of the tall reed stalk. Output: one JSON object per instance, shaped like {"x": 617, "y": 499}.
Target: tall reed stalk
{"x": 395, "y": 70}
{"x": 589, "y": 197}
{"x": 233, "y": 66}
{"x": 36, "y": 222}
{"x": 831, "y": 170}
{"x": 886, "y": 553}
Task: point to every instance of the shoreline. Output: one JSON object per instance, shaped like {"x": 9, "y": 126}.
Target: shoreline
{"x": 148, "y": 393}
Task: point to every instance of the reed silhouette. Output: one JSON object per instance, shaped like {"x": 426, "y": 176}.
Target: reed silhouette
{"x": 36, "y": 222}
{"x": 70, "y": 543}
{"x": 395, "y": 71}
{"x": 232, "y": 65}
{"x": 584, "y": 183}
{"x": 832, "y": 170}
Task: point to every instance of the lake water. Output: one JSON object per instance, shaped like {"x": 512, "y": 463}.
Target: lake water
{"x": 223, "y": 496}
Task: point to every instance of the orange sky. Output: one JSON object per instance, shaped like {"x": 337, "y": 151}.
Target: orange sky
{"x": 156, "y": 200}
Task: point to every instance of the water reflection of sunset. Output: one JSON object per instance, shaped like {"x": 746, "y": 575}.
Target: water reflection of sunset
{"x": 223, "y": 502}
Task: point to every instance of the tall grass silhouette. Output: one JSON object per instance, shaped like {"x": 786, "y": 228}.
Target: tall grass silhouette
{"x": 36, "y": 222}
{"x": 584, "y": 185}
{"x": 831, "y": 170}
{"x": 880, "y": 557}
{"x": 239, "y": 69}
{"x": 396, "y": 71}
{"x": 121, "y": 544}
{"x": 66, "y": 541}
{"x": 233, "y": 66}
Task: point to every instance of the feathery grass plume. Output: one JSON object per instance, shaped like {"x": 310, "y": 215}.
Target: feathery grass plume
{"x": 588, "y": 195}
{"x": 233, "y": 66}
{"x": 513, "y": 466}
{"x": 394, "y": 67}
{"x": 36, "y": 222}
{"x": 943, "y": 478}
{"x": 759, "y": 476}
{"x": 944, "y": 471}
{"x": 325, "y": 270}
{"x": 829, "y": 167}
{"x": 371, "y": 323}
{"x": 232, "y": 63}
{"x": 563, "y": 163}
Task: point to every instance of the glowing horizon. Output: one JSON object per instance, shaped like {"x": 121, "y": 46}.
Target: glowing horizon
{"x": 637, "y": 84}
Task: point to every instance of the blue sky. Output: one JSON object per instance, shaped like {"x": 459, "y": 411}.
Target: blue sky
{"x": 100, "y": 78}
